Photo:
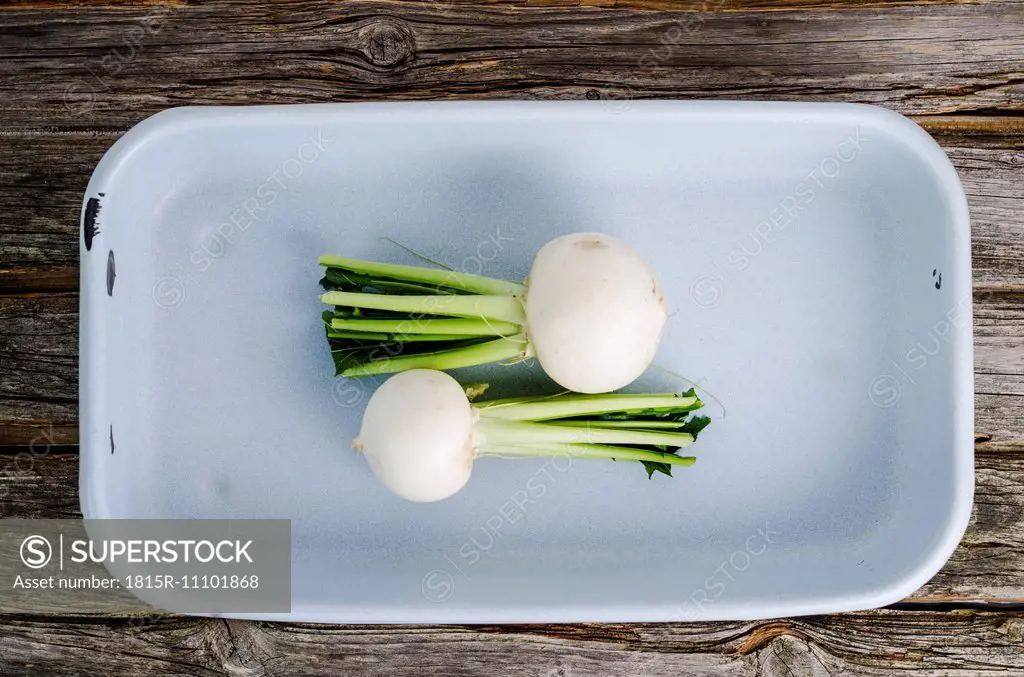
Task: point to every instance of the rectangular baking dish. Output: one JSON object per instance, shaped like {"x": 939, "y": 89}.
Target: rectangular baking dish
{"x": 816, "y": 258}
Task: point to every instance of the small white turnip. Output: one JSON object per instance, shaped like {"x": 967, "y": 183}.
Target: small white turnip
{"x": 421, "y": 434}
{"x": 590, "y": 311}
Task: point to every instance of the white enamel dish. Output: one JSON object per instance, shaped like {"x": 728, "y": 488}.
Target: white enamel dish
{"x": 817, "y": 262}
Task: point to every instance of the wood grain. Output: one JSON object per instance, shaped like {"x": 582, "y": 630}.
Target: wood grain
{"x": 987, "y": 567}
{"x": 39, "y": 350}
{"x": 42, "y": 181}
{"x": 91, "y": 67}
{"x": 43, "y": 178}
{"x": 75, "y": 75}
{"x": 37, "y": 483}
{"x": 662, "y": 5}
{"x": 989, "y": 563}
{"x": 39, "y": 279}
{"x": 879, "y": 643}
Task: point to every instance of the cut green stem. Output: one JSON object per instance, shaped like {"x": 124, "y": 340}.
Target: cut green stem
{"x": 476, "y": 284}
{"x": 482, "y": 353}
{"x": 566, "y": 406}
{"x": 520, "y": 433}
{"x": 388, "y": 318}
{"x": 455, "y": 327}
{"x": 592, "y": 451}
{"x": 639, "y": 424}
{"x": 357, "y": 335}
{"x": 413, "y": 338}
{"x": 398, "y": 338}
{"x": 495, "y": 307}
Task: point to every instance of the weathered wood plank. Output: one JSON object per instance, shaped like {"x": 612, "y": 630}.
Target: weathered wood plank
{"x": 42, "y": 181}
{"x": 999, "y": 412}
{"x": 36, "y": 483}
{"x": 988, "y": 565}
{"x": 663, "y": 5}
{"x": 998, "y": 334}
{"x": 43, "y": 178}
{"x": 39, "y": 352}
{"x": 98, "y": 4}
{"x": 109, "y": 63}
{"x": 86, "y": 67}
{"x": 38, "y": 280}
{"x": 974, "y": 131}
{"x": 876, "y": 643}
{"x": 17, "y": 435}
{"x": 995, "y": 194}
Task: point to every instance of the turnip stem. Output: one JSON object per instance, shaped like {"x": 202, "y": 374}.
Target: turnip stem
{"x": 466, "y": 327}
{"x": 503, "y": 433}
{"x": 412, "y": 338}
{"x": 566, "y": 406}
{"x": 493, "y": 307}
{"x": 399, "y": 338}
{"x": 580, "y": 450}
{"x": 638, "y": 424}
{"x": 481, "y": 353}
{"x": 358, "y": 335}
{"x": 476, "y": 284}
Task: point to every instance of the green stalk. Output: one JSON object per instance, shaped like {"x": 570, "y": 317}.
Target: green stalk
{"x": 476, "y": 284}
{"x": 638, "y": 424}
{"x": 520, "y": 433}
{"x": 358, "y": 335}
{"x": 467, "y": 327}
{"x": 495, "y": 307}
{"x": 412, "y": 338}
{"x": 399, "y": 338}
{"x": 491, "y": 351}
{"x": 594, "y": 451}
{"x": 565, "y": 406}
{"x": 395, "y": 287}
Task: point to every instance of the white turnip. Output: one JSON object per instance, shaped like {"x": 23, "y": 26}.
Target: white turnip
{"x": 421, "y": 434}
{"x": 590, "y": 311}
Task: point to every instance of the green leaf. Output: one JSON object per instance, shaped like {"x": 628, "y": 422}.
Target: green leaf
{"x": 341, "y": 279}
{"x": 695, "y": 424}
{"x": 652, "y": 467}
{"x": 345, "y": 357}
{"x": 344, "y": 280}
{"x": 692, "y": 392}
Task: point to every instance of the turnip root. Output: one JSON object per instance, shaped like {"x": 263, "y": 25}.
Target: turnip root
{"x": 590, "y": 311}
{"x": 594, "y": 314}
{"x": 421, "y": 434}
{"x": 417, "y": 435}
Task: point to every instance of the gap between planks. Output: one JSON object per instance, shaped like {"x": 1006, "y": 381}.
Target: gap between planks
{"x": 875, "y": 642}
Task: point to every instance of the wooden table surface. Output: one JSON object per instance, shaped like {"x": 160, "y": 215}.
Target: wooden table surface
{"x": 74, "y": 76}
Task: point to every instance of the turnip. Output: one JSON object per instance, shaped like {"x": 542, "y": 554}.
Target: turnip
{"x": 590, "y": 311}
{"x": 421, "y": 433}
